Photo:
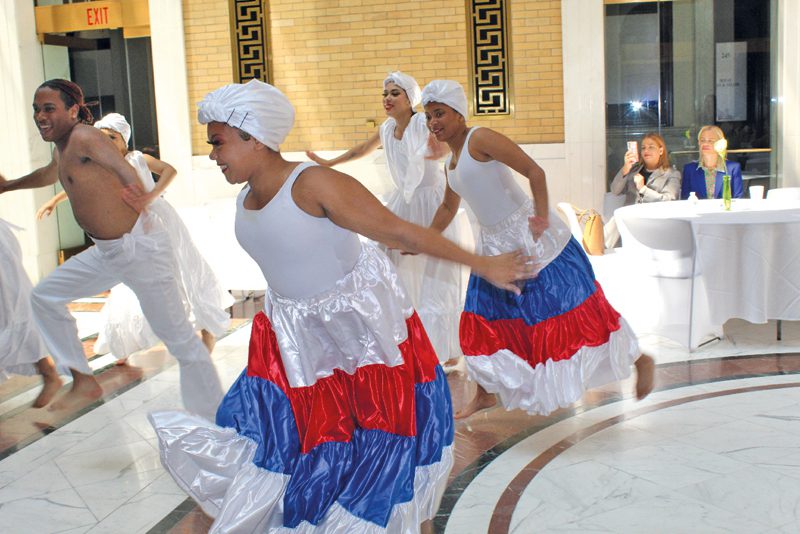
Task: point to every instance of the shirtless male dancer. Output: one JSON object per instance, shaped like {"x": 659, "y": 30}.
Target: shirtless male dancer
{"x": 130, "y": 241}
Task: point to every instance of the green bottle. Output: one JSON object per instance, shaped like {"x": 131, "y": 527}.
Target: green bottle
{"x": 726, "y": 192}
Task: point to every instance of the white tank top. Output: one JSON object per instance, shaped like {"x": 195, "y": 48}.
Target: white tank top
{"x": 477, "y": 183}
{"x": 502, "y": 209}
{"x": 299, "y": 254}
{"x": 137, "y": 161}
{"x": 405, "y": 157}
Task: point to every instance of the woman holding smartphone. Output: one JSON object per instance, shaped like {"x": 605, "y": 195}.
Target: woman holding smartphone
{"x": 649, "y": 176}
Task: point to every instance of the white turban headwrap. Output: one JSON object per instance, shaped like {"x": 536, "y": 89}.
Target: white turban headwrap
{"x": 254, "y": 107}
{"x": 117, "y": 123}
{"x": 407, "y": 84}
{"x": 446, "y": 92}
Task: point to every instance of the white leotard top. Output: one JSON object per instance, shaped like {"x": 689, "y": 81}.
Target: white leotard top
{"x": 405, "y": 157}
{"x": 299, "y": 254}
{"x": 487, "y": 186}
{"x": 503, "y": 208}
{"x": 137, "y": 161}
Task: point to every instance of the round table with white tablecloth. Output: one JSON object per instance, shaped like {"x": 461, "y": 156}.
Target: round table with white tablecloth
{"x": 748, "y": 258}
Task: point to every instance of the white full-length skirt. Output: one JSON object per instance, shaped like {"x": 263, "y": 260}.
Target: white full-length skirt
{"x": 20, "y": 344}
{"x": 436, "y": 287}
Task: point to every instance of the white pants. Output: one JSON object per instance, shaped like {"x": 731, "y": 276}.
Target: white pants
{"x": 141, "y": 260}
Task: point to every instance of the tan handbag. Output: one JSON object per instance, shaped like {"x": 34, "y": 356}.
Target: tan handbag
{"x": 593, "y": 237}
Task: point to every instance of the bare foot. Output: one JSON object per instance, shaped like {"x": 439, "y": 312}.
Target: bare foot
{"x": 208, "y": 340}
{"x": 121, "y": 361}
{"x": 452, "y": 366}
{"x": 51, "y": 382}
{"x": 482, "y": 400}
{"x": 85, "y": 389}
{"x": 645, "y": 371}
{"x": 426, "y": 527}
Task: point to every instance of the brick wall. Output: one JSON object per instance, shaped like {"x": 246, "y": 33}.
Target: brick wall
{"x": 331, "y": 57}
{"x": 207, "y": 39}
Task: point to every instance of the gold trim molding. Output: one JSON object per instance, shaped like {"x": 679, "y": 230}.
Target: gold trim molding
{"x": 490, "y": 81}
{"x": 250, "y": 40}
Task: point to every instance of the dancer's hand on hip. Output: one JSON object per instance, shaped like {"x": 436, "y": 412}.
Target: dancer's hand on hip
{"x": 538, "y": 225}
{"x": 135, "y": 196}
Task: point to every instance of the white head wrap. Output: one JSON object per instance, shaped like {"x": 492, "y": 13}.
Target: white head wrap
{"x": 446, "y": 92}
{"x": 254, "y": 107}
{"x": 117, "y": 123}
{"x": 407, "y": 84}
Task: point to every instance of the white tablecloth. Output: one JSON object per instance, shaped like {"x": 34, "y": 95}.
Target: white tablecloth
{"x": 748, "y": 258}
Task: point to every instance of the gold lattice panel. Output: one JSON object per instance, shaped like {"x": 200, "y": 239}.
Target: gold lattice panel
{"x": 490, "y": 57}
{"x": 250, "y": 40}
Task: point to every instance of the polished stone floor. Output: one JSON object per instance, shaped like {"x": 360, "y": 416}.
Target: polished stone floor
{"x": 713, "y": 449}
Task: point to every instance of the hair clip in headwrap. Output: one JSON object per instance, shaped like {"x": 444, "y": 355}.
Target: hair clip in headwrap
{"x": 260, "y": 110}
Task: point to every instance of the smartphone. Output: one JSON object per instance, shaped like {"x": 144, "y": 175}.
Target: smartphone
{"x": 633, "y": 146}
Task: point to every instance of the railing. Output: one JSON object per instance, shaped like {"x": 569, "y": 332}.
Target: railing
{"x": 734, "y": 151}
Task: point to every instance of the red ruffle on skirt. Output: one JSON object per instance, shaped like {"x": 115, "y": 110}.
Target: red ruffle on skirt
{"x": 557, "y": 338}
{"x": 375, "y": 397}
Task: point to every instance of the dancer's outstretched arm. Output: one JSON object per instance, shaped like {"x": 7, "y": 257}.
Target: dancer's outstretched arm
{"x": 342, "y": 199}
{"x": 41, "y": 177}
{"x": 358, "y": 151}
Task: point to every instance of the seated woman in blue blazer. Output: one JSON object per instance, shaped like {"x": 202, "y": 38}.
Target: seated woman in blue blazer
{"x": 704, "y": 176}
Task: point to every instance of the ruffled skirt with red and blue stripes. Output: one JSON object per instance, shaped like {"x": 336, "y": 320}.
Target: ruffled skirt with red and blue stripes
{"x": 541, "y": 350}
{"x": 320, "y": 442}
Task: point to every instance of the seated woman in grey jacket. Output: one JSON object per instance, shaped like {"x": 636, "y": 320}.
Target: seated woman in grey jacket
{"x": 649, "y": 178}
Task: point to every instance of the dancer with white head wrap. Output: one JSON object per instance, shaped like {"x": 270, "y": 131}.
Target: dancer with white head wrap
{"x": 342, "y": 420}
{"x": 541, "y": 350}
{"x": 125, "y": 330}
{"x": 413, "y": 157}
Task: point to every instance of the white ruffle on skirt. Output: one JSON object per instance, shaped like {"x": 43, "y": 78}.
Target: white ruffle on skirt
{"x": 215, "y": 466}
{"x": 555, "y": 384}
{"x": 125, "y": 329}
{"x": 20, "y": 344}
{"x": 436, "y": 287}
{"x": 360, "y": 321}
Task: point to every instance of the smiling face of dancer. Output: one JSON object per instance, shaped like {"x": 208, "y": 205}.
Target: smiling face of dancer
{"x": 52, "y": 116}
{"x": 232, "y": 150}
{"x": 395, "y": 101}
{"x": 446, "y": 124}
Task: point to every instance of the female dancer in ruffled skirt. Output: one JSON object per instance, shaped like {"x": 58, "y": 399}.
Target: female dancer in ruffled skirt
{"x": 540, "y": 350}
{"x": 342, "y": 420}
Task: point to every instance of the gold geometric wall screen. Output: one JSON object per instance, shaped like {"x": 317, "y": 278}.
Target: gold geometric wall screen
{"x": 250, "y": 40}
{"x": 490, "y": 56}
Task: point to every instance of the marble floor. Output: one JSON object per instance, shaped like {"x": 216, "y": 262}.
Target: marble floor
{"x": 713, "y": 449}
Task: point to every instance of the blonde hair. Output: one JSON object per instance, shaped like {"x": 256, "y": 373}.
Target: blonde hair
{"x": 716, "y": 131}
